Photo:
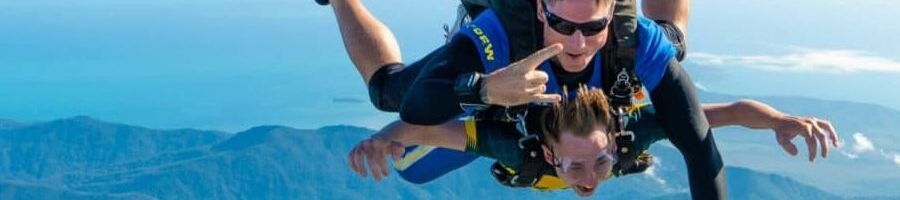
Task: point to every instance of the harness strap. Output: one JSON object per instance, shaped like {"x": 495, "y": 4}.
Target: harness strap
{"x": 529, "y": 173}
{"x": 625, "y": 86}
{"x": 622, "y": 63}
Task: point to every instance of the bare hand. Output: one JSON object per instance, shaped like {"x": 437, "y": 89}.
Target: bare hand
{"x": 817, "y": 132}
{"x": 521, "y": 82}
{"x": 374, "y": 151}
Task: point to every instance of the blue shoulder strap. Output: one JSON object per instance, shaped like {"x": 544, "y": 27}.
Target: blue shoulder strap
{"x": 489, "y": 37}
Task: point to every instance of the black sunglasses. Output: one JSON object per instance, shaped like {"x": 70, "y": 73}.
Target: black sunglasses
{"x": 567, "y": 27}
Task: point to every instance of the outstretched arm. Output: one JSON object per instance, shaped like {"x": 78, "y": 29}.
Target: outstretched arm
{"x": 747, "y": 113}
{"x": 451, "y": 135}
{"x": 391, "y": 141}
{"x": 757, "y": 115}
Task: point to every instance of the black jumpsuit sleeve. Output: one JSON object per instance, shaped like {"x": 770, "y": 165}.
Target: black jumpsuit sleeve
{"x": 497, "y": 140}
{"x": 685, "y": 124}
{"x": 431, "y": 99}
{"x": 390, "y": 83}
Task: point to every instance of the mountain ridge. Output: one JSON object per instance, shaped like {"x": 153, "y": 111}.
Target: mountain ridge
{"x": 263, "y": 162}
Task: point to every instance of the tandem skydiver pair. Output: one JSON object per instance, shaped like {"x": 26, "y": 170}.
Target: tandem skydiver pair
{"x": 490, "y": 73}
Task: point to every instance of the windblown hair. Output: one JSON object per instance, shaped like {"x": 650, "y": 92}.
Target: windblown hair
{"x": 580, "y": 116}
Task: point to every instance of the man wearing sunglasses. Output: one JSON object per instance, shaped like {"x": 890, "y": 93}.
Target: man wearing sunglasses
{"x": 474, "y": 69}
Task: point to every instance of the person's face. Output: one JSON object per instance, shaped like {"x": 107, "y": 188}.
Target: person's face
{"x": 578, "y": 49}
{"x": 582, "y": 162}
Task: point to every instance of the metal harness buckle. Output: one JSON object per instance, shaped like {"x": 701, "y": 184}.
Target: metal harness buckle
{"x": 515, "y": 181}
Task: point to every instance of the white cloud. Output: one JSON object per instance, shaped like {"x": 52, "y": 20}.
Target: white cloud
{"x": 850, "y": 155}
{"x": 897, "y": 159}
{"x": 651, "y": 172}
{"x": 803, "y": 60}
{"x": 862, "y": 144}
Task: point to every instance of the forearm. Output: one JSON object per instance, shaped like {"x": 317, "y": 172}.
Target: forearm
{"x": 430, "y": 102}
{"x": 747, "y": 113}
{"x": 449, "y": 135}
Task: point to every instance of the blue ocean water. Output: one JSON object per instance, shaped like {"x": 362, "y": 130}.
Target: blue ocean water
{"x": 223, "y": 65}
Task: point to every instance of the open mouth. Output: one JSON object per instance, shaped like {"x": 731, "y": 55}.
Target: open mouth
{"x": 584, "y": 189}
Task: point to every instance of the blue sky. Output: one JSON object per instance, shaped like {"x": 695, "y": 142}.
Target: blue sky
{"x": 843, "y": 50}
{"x": 233, "y": 64}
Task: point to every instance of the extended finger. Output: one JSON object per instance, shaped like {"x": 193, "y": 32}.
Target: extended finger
{"x": 374, "y": 167}
{"x": 811, "y": 143}
{"x": 537, "y": 77}
{"x": 831, "y": 132}
{"x": 546, "y": 98}
{"x": 382, "y": 163}
{"x": 365, "y": 154}
{"x": 822, "y": 139}
{"x": 540, "y": 89}
{"x": 352, "y": 160}
{"x": 534, "y": 60}
{"x": 360, "y": 160}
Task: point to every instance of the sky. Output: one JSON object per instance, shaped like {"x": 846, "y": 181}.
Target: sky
{"x": 233, "y": 64}
{"x": 843, "y": 50}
